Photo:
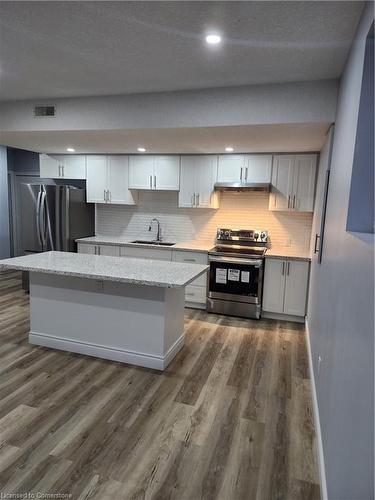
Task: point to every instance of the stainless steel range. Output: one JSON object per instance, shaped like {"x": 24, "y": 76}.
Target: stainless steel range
{"x": 235, "y": 277}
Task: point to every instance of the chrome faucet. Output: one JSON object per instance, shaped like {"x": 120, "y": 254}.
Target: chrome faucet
{"x": 158, "y": 235}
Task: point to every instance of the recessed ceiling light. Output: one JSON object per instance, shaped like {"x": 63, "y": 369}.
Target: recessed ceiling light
{"x": 213, "y": 39}
{"x": 228, "y": 149}
{"x": 141, "y": 150}
{"x": 70, "y": 150}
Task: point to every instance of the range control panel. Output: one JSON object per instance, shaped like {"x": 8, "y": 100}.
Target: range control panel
{"x": 249, "y": 235}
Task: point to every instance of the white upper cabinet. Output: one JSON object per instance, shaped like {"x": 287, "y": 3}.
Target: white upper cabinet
{"x": 141, "y": 172}
{"x": 97, "y": 179}
{"x": 304, "y": 183}
{"x": 293, "y": 183}
{"x": 244, "y": 168}
{"x": 154, "y": 172}
{"x": 231, "y": 168}
{"x": 167, "y": 173}
{"x": 108, "y": 180}
{"x": 258, "y": 168}
{"x": 282, "y": 182}
{"x": 63, "y": 166}
{"x": 197, "y": 179}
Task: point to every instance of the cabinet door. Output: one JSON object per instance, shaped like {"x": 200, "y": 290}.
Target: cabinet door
{"x": 274, "y": 285}
{"x": 205, "y": 179}
{"x": 110, "y": 250}
{"x": 86, "y": 248}
{"x": 258, "y": 168}
{"x": 141, "y": 171}
{"x": 282, "y": 183}
{"x": 231, "y": 168}
{"x": 304, "y": 183}
{"x": 118, "y": 181}
{"x": 297, "y": 275}
{"x": 74, "y": 166}
{"x": 166, "y": 173}
{"x": 187, "y": 181}
{"x": 97, "y": 178}
{"x": 50, "y": 166}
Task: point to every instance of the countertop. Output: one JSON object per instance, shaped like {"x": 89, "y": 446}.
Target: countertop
{"x": 197, "y": 246}
{"x": 289, "y": 252}
{"x": 99, "y": 267}
{"x": 191, "y": 245}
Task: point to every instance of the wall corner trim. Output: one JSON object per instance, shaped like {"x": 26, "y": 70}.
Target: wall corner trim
{"x": 319, "y": 442}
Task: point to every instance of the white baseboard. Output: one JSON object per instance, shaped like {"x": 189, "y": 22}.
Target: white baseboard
{"x": 282, "y": 317}
{"x": 99, "y": 351}
{"x": 322, "y": 472}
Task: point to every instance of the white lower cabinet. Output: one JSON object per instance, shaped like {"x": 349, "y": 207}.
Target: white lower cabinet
{"x": 110, "y": 250}
{"x": 195, "y": 293}
{"x": 285, "y": 286}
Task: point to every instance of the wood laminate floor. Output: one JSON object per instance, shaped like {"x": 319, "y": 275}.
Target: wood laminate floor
{"x": 230, "y": 419}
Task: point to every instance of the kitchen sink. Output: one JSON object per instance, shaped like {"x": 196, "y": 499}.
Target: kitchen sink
{"x": 157, "y": 243}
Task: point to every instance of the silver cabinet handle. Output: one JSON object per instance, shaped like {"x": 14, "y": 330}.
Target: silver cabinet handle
{"x": 289, "y": 201}
{"x": 98, "y": 250}
{"x": 104, "y": 195}
{"x": 197, "y": 199}
{"x": 294, "y": 201}
{"x": 189, "y": 294}
{"x": 95, "y": 249}
{"x": 109, "y": 196}
{"x": 317, "y": 237}
{"x": 241, "y": 174}
{"x": 288, "y": 267}
{"x": 155, "y": 181}
{"x": 189, "y": 260}
{"x": 150, "y": 181}
{"x": 283, "y": 269}
{"x": 63, "y": 171}
{"x": 192, "y": 200}
{"x": 246, "y": 174}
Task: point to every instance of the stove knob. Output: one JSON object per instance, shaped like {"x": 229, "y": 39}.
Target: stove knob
{"x": 227, "y": 233}
{"x": 263, "y": 235}
{"x": 256, "y": 236}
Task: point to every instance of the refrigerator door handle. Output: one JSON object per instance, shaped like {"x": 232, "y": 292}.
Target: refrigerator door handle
{"x": 42, "y": 219}
{"x": 38, "y": 233}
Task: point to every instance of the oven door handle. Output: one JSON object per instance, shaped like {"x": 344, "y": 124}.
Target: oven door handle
{"x": 234, "y": 260}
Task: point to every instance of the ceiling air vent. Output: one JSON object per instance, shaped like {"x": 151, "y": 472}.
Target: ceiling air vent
{"x": 44, "y": 111}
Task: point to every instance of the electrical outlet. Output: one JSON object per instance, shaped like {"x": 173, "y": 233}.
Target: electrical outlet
{"x": 319, "y": 363}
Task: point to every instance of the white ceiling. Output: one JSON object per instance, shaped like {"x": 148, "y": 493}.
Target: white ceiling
{"x": 250, "y": 138}
{"x": 60, "y": 49}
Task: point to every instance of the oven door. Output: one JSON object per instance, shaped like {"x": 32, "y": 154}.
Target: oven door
{"x": 235, "y": 279}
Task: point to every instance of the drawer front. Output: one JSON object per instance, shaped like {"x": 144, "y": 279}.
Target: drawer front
{"x": 196, "y": 294}
{"x": 146, "y": 253}
{"x": 192, "y": 258}
{"x": 85, "y": 248}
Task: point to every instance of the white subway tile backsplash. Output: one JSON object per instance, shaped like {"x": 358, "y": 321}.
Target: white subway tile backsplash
{"x": 237, "y": 210}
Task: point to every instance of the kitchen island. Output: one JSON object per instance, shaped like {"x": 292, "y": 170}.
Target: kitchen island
{"x": 124, "y": 309}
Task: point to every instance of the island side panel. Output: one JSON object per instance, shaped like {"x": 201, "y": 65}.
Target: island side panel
{"x": 174, "y": 337}
{"x": 118, "y": 321}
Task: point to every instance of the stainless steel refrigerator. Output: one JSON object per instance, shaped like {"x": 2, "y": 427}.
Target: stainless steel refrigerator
{"x": 53, "y": 217}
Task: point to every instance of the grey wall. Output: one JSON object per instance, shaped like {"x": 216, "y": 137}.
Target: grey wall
{"x": 306, "y": 102}
{"x": 4, "y": 206}
{"x": 341, "y": 311}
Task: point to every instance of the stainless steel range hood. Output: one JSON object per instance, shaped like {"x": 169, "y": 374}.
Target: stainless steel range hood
{"x": 242, "y": 186}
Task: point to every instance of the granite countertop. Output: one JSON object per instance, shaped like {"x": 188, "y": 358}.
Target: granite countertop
{"x": 191, "y": 245}
{"x": 289, "y": 252}
{"x": 99, "y": 267}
